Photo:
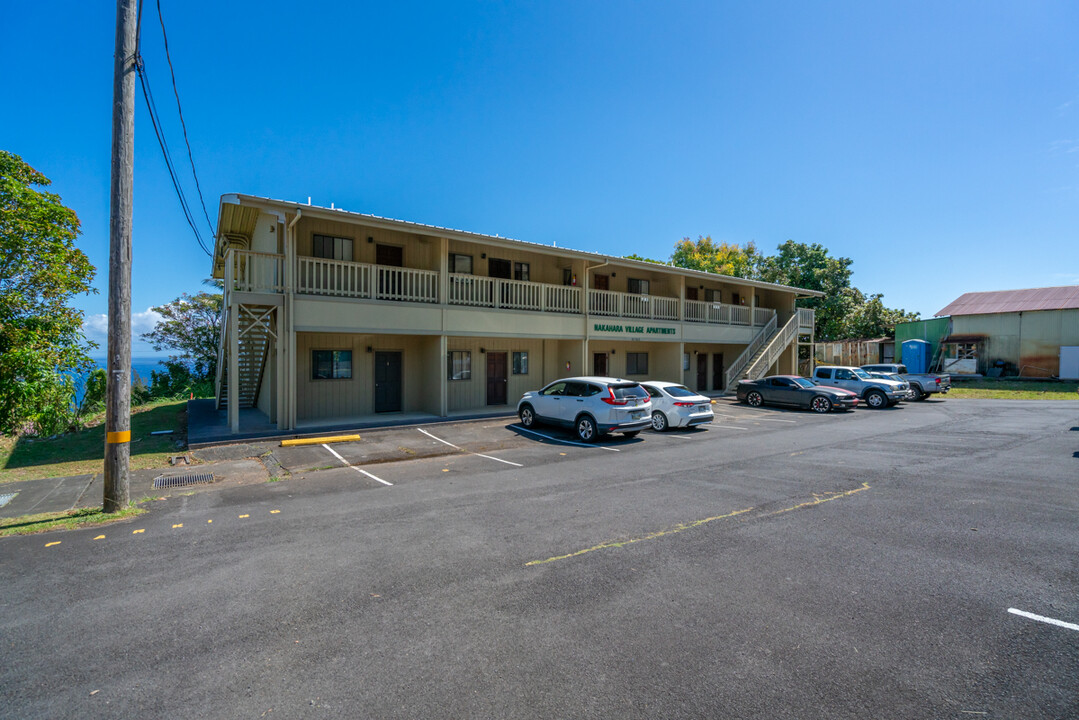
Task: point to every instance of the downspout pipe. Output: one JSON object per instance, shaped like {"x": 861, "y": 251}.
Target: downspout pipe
{"x": 290, "y": 258}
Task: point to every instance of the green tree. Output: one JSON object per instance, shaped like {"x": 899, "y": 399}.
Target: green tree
{"x": 871, "y": 319}
{"x": 190, "y": 325}
{"x": 42, "y": 345}
{"x": 722, "y": 258}
{"x": 812, "y": 268}
{"x": 635, "y": 256}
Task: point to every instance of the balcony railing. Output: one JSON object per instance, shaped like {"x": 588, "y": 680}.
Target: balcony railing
{"x": 248, "y": 271}
{"x": 512, "y": 294}
{"x": 806, "y": 318}
{"x": 608, "y": 302}
{"x": 264, "y": 272}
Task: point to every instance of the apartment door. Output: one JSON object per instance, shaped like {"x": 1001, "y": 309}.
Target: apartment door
{"x": 387, "y": 382}
{"x": 702, "y": 372}
{"x": 691, "y": 293}
{"x": 602, "y": 282}
{"x": 717, "y": 371}
{"x": 390, "y": 282}
{"x": 599, "y": 364}
{"x": 496, "y": 378}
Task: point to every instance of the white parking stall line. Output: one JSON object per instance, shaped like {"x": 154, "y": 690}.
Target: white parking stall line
{"x": 567, "y": 442}
{"x": 1042, "y": 618}
{"x": 359, "y": 470}
{"x": 489, "y": 457}
{"x": 746, "y": 416}
{"x": 777, "y": 420}
{"x": 728, "y": 427}
{"x": 683, "y": 437}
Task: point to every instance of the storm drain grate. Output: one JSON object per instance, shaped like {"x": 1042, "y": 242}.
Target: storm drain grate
{"x": 6, "y": 498}
{"x": 174, "y": 481}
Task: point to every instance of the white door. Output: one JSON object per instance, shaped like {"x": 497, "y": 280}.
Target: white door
{"x": 1069, "y": 362}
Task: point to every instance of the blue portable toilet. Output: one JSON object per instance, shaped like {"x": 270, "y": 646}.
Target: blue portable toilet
{"x": 916, "y": 356}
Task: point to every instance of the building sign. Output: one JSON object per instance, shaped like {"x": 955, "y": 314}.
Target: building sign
{"x": 633, "y": 329}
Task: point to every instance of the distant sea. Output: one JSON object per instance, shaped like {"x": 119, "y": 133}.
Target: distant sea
{"x": 140, "y": 367}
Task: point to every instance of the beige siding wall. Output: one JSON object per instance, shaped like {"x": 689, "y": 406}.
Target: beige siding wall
{"x": 472, "y": 394}
{"x": 266, "y": 237}
{"x": 730, "y": 354}
{"x": 542, "y": 268}
{"x": 317, "y": 399}
{"x": 421, "y": 252}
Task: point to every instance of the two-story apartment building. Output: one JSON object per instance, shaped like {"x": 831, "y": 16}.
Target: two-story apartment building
{"x": 334, "y": 317}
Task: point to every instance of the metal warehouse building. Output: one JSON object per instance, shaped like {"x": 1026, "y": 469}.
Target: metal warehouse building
{"x": 1029, "y": 333}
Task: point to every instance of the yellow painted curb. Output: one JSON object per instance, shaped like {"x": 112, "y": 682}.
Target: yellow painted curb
{"x": 319, "y": 441}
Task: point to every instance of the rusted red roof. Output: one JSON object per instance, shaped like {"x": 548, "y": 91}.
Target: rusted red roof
{"x": 1005, "y": 301}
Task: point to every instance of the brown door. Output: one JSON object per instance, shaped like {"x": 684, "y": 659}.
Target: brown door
{"x": 496, "y": 378}
{"x": 717, "y": 371}
{"x": 691, "y": 293}
{"x": 602, "y": 282}
{"x": 735, "y": 299}
{"x": 390, "y": 282}
{"x": 702, "y": 372}
{"x": 599, "y": 364}
{"x": 499, "y": 268}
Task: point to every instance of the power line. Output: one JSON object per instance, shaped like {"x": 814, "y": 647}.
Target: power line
{"x": 163, "y": 144}
{"x": 183, "y": 125}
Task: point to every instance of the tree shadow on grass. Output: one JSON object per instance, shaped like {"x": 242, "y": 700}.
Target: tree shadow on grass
{"x": 89, "y": 444}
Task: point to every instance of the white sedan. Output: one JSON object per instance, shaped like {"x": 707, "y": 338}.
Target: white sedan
{"x": 675, "y": 405}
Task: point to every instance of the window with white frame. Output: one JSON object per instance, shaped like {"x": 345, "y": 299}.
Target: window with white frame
{"x": 637, "y": 286}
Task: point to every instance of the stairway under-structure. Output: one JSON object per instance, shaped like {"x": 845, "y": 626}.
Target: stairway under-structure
{"x": 257, "y": 332}
{"x": 768, "y": 345}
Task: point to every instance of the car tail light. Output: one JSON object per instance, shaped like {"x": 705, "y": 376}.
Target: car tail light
{"x": 684, "y": 404}
{"x": 611, "y": 399}
{"x": 938, "y": 380}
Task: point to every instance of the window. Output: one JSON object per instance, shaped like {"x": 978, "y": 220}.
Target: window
{"x": 557, "y": 388}
{"x": 823, "y": 373}
{"x": 636, "y": 363}
{"x": 460, "y": 263}
{"x": 685, "y": 361}
{"x": 638, "y": 286}
{"x": 331, "y": 364}
{"x": 460, "y": 365}
{"x": 843, "y": 375}
{"x": 654, "y": 392}
{"x": 520, "y": 363}
{"x": 520, "y": 271}
{"x": 332, "y": 248}
{"x": 713, "y": 296}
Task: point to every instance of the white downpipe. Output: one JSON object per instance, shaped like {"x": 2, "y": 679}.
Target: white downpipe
{"x": 290, "y": 374}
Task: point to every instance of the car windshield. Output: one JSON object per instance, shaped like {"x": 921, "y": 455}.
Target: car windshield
{"x": 629, "y": 391}
{"x": 803, "y": 382}
{"x": 861, "y": 374}
{"x": 679, "y": 391}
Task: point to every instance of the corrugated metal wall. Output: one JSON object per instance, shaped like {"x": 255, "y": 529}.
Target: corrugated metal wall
{"x": 1030, "y": 341}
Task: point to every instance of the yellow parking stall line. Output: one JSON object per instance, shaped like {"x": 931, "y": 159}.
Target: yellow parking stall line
{"x": 319, "y": 441}
{"x": 52, "y": 543}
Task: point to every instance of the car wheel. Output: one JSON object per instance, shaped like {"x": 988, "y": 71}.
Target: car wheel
{"x": 631, "y": 434}
{"x": 913, "y": 393}
{"x": 586, "y": 429}
{"x": 528, "y": 416}
{"x": 659, "y": 421}
{"x": 820, "y": 404}
{"x": 876, "y": 399}
{"x": 755, "y": 399}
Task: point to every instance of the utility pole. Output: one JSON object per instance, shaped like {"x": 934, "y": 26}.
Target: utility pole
{"x": 118, "y": 388}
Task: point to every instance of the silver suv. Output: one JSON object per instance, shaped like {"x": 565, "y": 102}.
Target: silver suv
{"x": 591, "y": 406}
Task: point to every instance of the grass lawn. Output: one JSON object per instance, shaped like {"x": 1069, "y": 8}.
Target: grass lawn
{"x": 43, "y": 522}
{"x": 991, "y": 389}
{"x": 84, "y": 452}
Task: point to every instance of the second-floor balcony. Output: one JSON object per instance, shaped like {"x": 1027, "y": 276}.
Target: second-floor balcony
{"x": 248, "y": 271}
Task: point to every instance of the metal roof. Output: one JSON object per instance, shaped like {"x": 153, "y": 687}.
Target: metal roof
{"x": 421, "y": 228}
{"x": 1006, "y": 301}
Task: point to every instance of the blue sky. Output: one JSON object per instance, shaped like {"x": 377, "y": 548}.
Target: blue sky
{"x": 935, "y": 144}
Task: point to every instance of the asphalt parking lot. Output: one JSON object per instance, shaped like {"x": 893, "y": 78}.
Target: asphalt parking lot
{"x": 913, "y": 562}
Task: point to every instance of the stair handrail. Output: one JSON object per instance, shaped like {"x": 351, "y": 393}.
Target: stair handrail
{"x": 759, "y": 339}
{"x": 221, "y": 346}
{"x": 775, "y": 346}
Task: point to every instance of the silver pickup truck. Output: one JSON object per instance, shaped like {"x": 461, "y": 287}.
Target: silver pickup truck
{"x": 877, "y": 392}
{"x": 922, "y": 385}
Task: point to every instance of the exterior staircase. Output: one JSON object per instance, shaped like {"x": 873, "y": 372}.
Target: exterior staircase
{"x": 762, "y": 352}
{"x": 255, "y": 334}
